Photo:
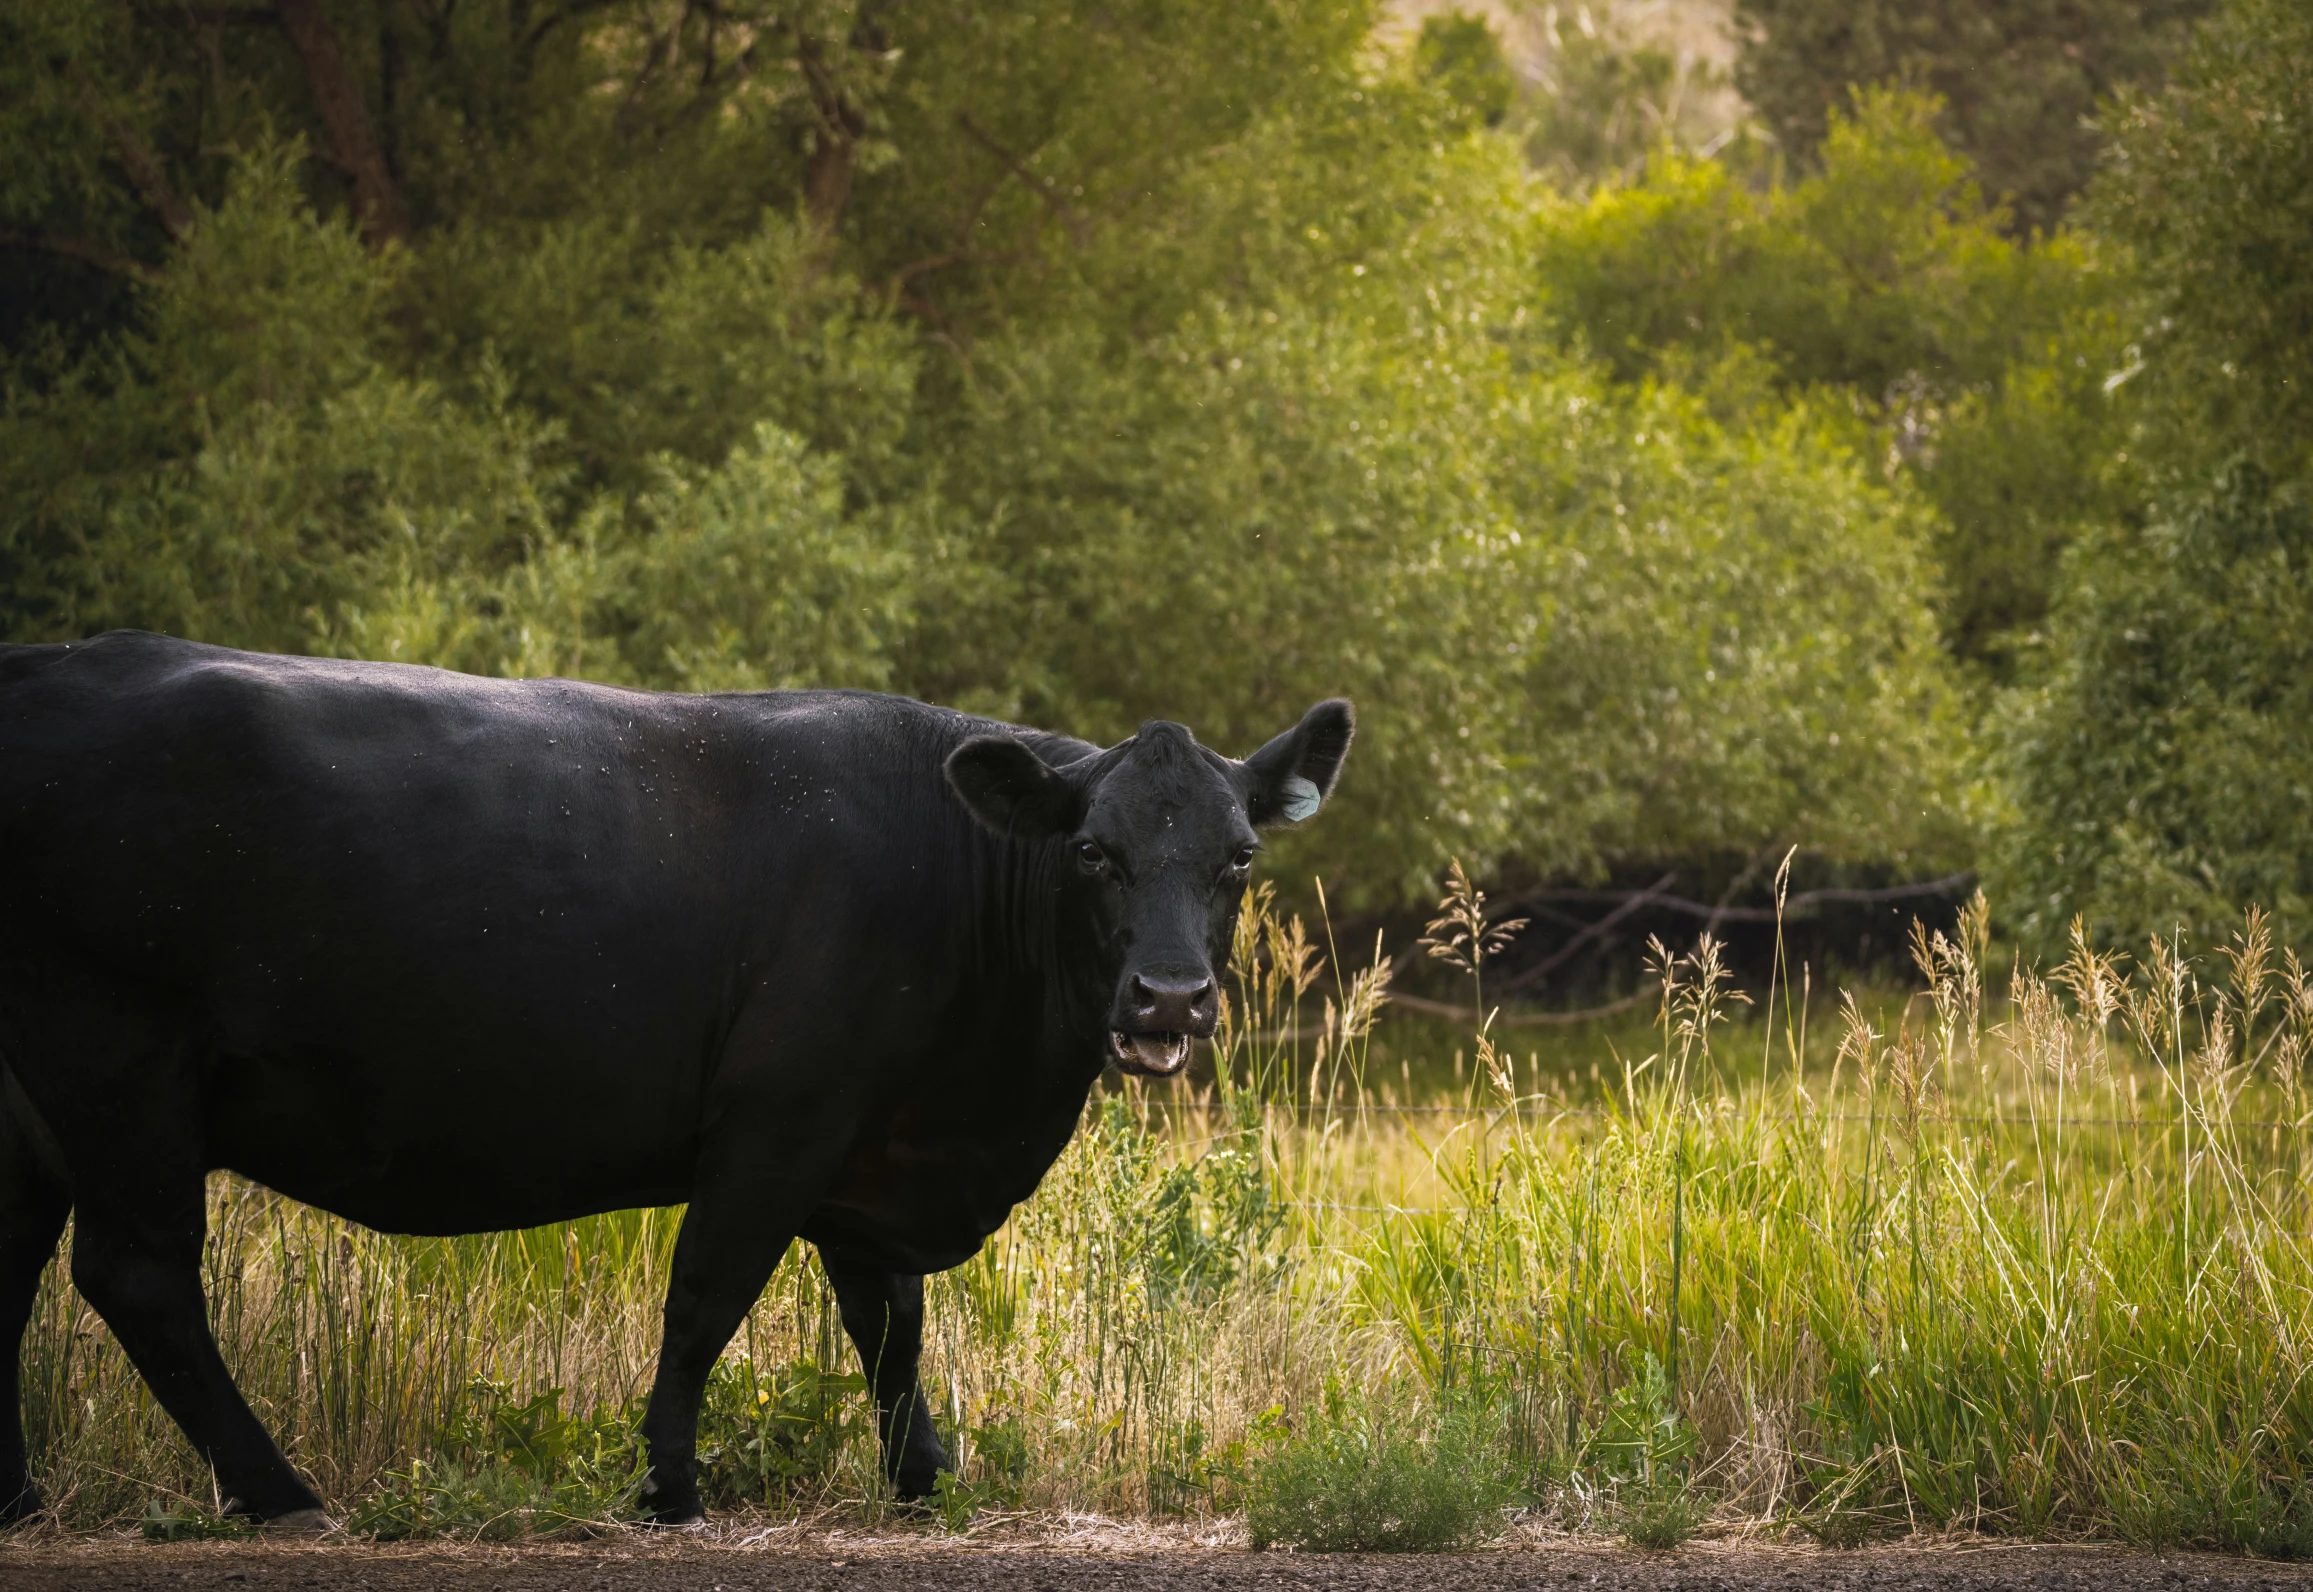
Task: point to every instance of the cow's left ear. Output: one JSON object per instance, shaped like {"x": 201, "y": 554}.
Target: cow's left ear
{"x": 1011, "y": 790}
{"x": 1287, "y": 780}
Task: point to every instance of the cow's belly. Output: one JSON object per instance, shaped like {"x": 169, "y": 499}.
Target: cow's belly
{"x": 412, "y": 1155}
{"x": 926, "y": 1186}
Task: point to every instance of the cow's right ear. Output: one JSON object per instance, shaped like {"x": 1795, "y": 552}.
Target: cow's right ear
{"x": 1011, "y": 790}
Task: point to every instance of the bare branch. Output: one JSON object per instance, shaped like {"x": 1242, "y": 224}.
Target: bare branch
{"x": 209, "y": 16}
{"x": 150, "y": 181}
{"x": 1799, "y": 905}
{"x": 1525, "y": 977}
{"x": 80, "y": 249}
{"x": 1045, "y": 190}
{"x": 377, "y": 198}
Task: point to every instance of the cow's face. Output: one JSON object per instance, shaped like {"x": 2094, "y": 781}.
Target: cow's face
{"x": 1155, "y": 840}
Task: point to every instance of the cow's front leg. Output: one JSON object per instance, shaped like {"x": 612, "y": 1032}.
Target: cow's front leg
{"x": 722, "y": 1261}
{"x": 883, "y": 1311}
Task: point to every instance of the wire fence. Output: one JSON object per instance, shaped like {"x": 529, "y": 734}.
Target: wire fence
{"x": 1304, "y": 1113}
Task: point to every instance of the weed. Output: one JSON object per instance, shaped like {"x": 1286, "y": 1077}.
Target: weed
{"x": 763, "y": 1436}
{"x": 1000, "y": 1458}
{"x": 1367, "y": 1478}
{"x": 1661, "y": 1514}
{"x": 182, "y": 1520}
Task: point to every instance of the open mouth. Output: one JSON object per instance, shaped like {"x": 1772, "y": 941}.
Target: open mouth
{"x": 1158, "y": 1055}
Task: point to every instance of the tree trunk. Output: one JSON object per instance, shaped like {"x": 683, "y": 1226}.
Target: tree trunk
{"x": 377, "y": 198}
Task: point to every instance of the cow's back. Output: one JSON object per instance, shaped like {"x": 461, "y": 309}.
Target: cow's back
{"x": 426, "y": 930}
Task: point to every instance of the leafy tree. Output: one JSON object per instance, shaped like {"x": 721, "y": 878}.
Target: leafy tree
{"x": 1462, "y": 56}
{"x": 1079, "y": 363}
{"x": 1974, "y": 364}
{"x": 1582, "y": 622}
{"x": 2160, "y": 770}
{"x": 2157, "y": 763}
{"x": 2210, "y": 187}
{"x": 2020, "y": 80}
{"x": 1608, "y": 101}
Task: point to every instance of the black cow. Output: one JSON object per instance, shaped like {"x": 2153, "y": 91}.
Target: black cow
{"x": 446, "y": 955}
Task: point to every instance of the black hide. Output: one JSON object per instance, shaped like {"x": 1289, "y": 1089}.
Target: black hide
{"x": 447, "y": 955}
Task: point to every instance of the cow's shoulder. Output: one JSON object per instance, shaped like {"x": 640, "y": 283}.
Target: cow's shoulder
{"x": 876, "y": 729}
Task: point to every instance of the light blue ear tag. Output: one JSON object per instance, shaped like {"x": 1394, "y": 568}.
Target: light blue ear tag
{"x": 1301, "y": 798}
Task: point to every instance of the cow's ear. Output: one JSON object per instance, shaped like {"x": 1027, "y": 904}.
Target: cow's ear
{"x": 1288, "y": 779}
{"x": 1013, "y": 791}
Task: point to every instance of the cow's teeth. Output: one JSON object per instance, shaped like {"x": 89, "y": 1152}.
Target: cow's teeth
{"x": 1161, "y": 1053}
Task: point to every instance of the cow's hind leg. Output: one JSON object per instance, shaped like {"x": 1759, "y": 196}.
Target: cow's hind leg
{"x": 33, "y": 1206}
{"x": 141, "y": 1269}
{"x": 118, "y": 1093}
{"x": 883, "y": 1312}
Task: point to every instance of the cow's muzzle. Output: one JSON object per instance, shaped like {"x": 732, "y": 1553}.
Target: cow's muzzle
{"x": 1161, "y": 1017}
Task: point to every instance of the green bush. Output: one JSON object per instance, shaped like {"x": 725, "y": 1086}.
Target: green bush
{"x": 506, "y": 1468}
{"x": 2156, "y": 764}
{"x": 2161, "y": 771}
{"x": 2021, "y": 79}
{"x": 1367, "y": 1476}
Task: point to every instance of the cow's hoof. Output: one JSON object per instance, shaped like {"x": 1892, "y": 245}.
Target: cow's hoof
{"x": 674, "y": 1520}
{"x": 310, "y": 1522}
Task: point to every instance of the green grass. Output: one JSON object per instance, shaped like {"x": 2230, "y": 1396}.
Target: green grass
{"x": 1368, "y": 1476}
{"x": 2031, "y": 1264}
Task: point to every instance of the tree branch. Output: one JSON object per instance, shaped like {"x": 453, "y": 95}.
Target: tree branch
{"x": 150, "y": 181}
{"x": 210, "y": 16}
{"x": 377, "y": 198}
{"x": 78, "y": 249}
{"x": 1078, "y": 227}
{"x": 1804, "y": 902}
{"x": 1591, "y": 931}
{"x": 827, "y": 177}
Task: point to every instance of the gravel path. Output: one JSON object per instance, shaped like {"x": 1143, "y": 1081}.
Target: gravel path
{"x": 1119, "y": 1562}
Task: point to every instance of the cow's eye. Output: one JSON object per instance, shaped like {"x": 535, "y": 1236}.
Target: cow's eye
{"x": 1242, "y": 860}
{"x": 1091, "y": 857}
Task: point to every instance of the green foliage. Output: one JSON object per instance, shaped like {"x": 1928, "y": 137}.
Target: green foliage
{"x": 1000, "y": 1459}
{"x": 1079, "y": 365}
{"x": 1659, "y": 1515}
{"x": 1608, "y": 102}
{"x": 1400, "y": 486}
{"x": 2160, "y": 768}
{"x": 2208, "y": 185}
{"x": 1644, "y": 1436}
{"x": 1973, "y": 365}
{"x": 183, "y": 1520}
{"x": 764, "y": 1436}
{"x": 505, "y": 1468}
{"x": 1643, "y": 1448}
{"x": 2156, "y": 763}
{"x": 2020, "y": 80}
{"x": 1884, "y": 265}
{"x": 1463, "y": 58}
{"x": 1369, "y": 1476}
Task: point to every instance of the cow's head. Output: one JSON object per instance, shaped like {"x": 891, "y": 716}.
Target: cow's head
{"x": 1154, "y": 840}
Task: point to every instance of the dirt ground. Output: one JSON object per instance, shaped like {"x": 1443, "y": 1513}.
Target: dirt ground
{"x": 1086, "y": 1556}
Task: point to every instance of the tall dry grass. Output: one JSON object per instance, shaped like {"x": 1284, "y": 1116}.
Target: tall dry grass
{"x": 2015, "y": 1255}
